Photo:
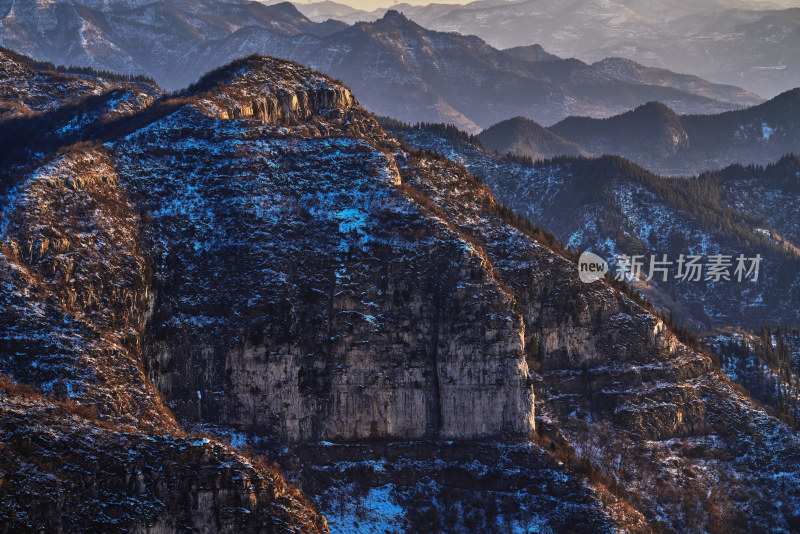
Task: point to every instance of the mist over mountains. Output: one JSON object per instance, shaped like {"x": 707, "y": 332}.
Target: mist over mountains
{"x": 746, "y": 43}
{"x": 399, "y": 68}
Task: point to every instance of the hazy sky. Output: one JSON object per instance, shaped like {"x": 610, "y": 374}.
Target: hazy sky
{"x": 369, "y": 5}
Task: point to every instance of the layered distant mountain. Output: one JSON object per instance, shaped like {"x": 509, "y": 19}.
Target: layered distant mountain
{"x": 659, "y": 139}
{"x": 525, "y": 137}
{"x": 249, "y": 283}
{"x": 748, "y": 43}
{"x": 630, "y": 71}
{"x": 411, "y": 73}
{"x": 399, "y": 68}
{"x": 427, "y": 14}
{"x": 173, "y": 41}
{"x": 533, "y": 52}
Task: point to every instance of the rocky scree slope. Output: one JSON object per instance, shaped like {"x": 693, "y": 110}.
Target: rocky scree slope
{"x": 313, "y": 280}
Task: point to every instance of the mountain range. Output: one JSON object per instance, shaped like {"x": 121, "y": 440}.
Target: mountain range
{"x": 399, "y": 68}
{"x": 245, "y": 306}
{"x": 747, "y": 43}
{"x": 659, "y": 139}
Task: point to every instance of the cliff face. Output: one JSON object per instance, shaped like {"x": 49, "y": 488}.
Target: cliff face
{"x": 269, "y": 90}
{"x": 340, "y": 338}
{"x": 86, "y": 439}
{"x": 318, "y": 300}
{"x": 384, "y": 263}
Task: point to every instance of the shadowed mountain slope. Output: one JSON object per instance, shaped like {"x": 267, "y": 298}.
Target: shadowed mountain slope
{"x": 257, "y": 254}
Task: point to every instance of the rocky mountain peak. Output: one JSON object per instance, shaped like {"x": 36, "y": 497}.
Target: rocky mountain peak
{"x": 396, "y": 17}
{"x": 325, "y": 367}
{"x": 272, "y": 90}
{"x": 258, "y": 74}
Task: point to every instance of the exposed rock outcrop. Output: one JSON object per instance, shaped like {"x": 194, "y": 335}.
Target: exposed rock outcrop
{"x": 273, "y": 91}
{"x": 621, "y": 389}
{"x": 76, "y": 290}
{"x": 85, "y": 440}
